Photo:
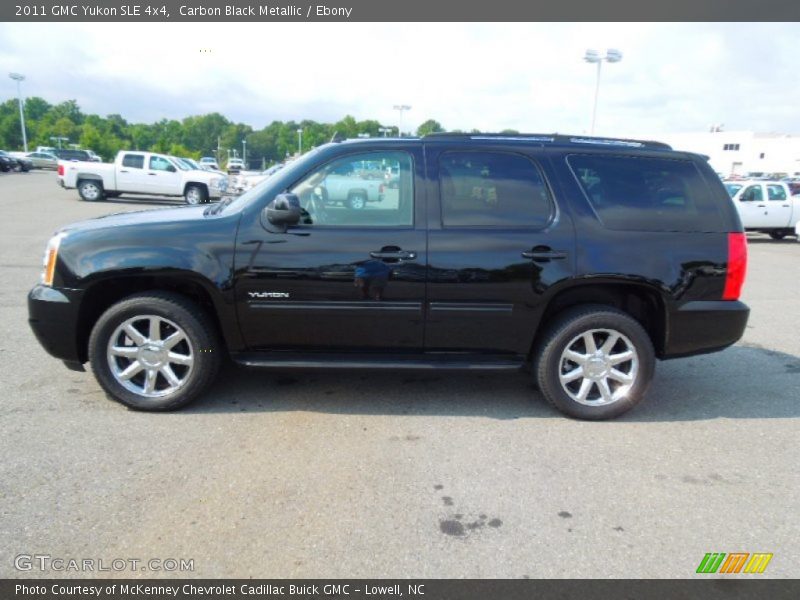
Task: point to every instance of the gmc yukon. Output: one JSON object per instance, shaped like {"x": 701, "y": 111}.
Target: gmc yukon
{"x": 583, "y": 260}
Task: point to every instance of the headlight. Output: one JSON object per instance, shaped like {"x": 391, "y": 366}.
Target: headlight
{"x": 50, "y": 257}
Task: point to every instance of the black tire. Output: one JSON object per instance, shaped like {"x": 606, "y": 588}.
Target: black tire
{"x": 777, "y": 235}
{"x": 90, "y": 190}
{"x": 195, "y": 194}
{"x": 356, "y": 200}
{"x": 201, "y": 340}
{"x": 567, "y": 330}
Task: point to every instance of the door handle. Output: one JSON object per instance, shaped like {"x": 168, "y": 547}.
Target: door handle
{"x": 399, "y": 254}
{"x": 544, "y": 254}
{"x": 153, "y": 174}
{"x": 762, "y": 206}
{"x": 123, "y": 171}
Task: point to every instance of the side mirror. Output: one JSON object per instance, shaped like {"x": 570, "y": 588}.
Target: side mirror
{"x": 284, "y": 210}
{"x": 171, "y": 169}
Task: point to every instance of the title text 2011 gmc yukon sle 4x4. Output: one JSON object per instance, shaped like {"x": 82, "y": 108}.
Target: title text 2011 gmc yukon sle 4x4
{"x": 141, "y": 173}
{"x": 584, "y": 259}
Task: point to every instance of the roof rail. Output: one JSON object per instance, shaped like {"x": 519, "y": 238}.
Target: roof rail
{"x": 552, "y": 138}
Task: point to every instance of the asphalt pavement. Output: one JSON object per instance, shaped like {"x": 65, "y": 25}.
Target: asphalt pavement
{"x": 375, "y": 474}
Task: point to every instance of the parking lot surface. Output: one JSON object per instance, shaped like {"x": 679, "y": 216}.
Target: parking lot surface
{"x": 376, "y": 474}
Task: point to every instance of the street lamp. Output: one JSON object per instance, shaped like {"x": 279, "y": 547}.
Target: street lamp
{"x": 402, "y": 108}
{"x": 18, "y": 77}
{"x": 58, "y": 140}
{"x": 299, "y": 141}
{"x": 591, "y": 56}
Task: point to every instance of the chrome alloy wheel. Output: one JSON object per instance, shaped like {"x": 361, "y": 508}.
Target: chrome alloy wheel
{"x": 598, "y": 367}
{"x": 150, "y": 356}
{"x": 91, "y": 191}
{"x": 193, "y": 196}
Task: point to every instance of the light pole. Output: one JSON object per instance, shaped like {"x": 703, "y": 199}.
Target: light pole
{"x": 402, "y": 108}
{"x": 384, "y": 130}
{"x": 299, "y": 141}
{"x": 18, "y": 77}
{"x": 244, "y": 153}
{"x": 591, "y": 56}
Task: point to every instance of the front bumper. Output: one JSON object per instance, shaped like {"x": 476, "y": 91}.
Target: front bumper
{"x": 701, "y": 327}
{"x": 219, "y": 190}
{"x": 53, "y": 316}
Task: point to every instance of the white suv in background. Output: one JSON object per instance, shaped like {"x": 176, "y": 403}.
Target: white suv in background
{"x": 209, "y": 162}
{"x": 235, "y": 165}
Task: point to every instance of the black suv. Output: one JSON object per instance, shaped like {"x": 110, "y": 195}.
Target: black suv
{"x": 582, "y": 259}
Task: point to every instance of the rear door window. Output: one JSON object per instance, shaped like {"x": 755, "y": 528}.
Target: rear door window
{"x": 776, "y": 192}
{"x": 492, "y": 189}
{"x": 647, "y": 194}
{"x": 133, "y": 161}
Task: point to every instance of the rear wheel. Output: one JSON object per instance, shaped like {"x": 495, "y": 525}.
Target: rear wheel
{"x": 90, "y": 190}
{"x": 154, "y": 351}
{"x": 595, "y": 362}
{"x": 357, "y": 200}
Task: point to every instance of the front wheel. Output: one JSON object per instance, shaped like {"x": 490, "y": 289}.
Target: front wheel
{"x": 90, "y": 190}
{"x": 595, "y": 362}
{"x": 777, "y": 235}
{"x": 195, "y": 194}
{"x": 154, "y": 351}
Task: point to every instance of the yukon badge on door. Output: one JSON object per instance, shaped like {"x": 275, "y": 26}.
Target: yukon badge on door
{"x": 268, "y": 294}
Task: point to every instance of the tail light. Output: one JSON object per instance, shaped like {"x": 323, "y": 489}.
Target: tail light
{"x": 737, "y": 266}
{"x": 60, "y": 170}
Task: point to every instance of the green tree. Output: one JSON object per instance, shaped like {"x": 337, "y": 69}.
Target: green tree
{"x": 429, "y": 126}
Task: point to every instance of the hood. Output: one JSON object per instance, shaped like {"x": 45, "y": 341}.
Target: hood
{"x": 154, "y": 216}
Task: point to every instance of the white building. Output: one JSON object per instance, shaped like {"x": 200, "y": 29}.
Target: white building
{"x": 741, "y": 152}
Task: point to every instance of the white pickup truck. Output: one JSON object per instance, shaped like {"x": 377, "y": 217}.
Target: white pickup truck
{"x": 766, "y": 206}
{"x": 141, "y": 173}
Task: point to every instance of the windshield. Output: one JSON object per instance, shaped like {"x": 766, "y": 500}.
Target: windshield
{"x": 180, "y": 163}
{"x": 733, "y": 188}
{"x": 293, "y": 170}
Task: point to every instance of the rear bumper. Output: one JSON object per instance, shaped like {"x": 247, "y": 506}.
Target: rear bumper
{"x": 53, "y": 317}
{"x": 704, "y": 326}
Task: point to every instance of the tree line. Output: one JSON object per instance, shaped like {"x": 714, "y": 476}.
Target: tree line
{"x": 193, "y": 136}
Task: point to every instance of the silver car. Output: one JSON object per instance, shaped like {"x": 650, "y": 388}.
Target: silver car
{"x": 43, "y": 160}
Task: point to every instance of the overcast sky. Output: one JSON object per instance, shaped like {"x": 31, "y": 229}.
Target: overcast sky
{"x": 529, "y": 77}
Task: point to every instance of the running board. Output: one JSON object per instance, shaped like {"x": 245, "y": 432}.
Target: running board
{"x": 377, "y": 361}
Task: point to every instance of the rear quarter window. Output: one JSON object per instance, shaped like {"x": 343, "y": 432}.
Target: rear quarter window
{"x": 647, "y": 194}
